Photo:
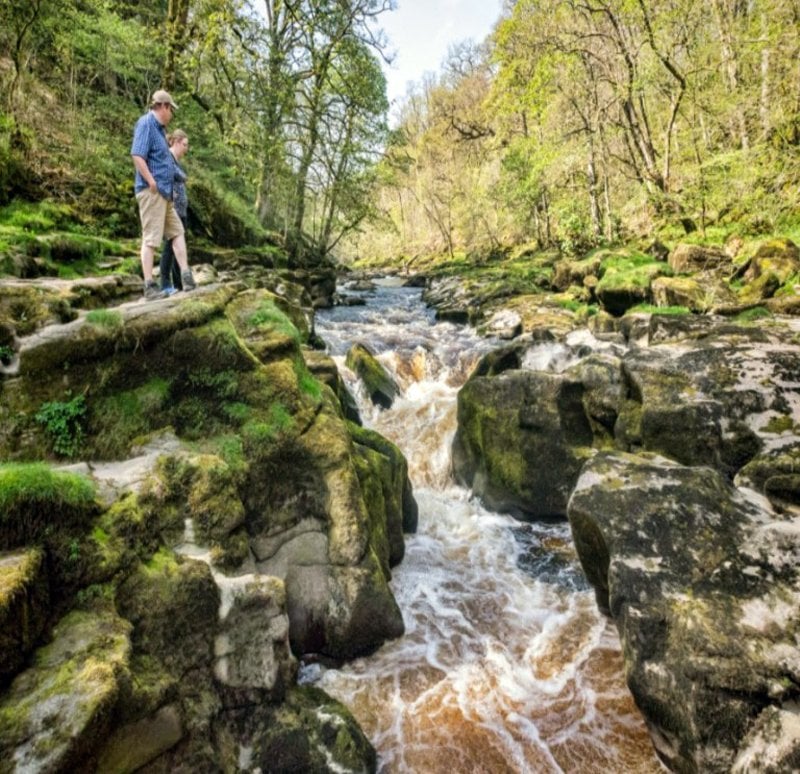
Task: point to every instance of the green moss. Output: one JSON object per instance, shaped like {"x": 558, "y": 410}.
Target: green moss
{"x": 750, "y": 315}
{"x": 279, "y": 423}
{"x": 267, "y": 315}
{"x": 779, "y": 425}
{"x": 237, "y": 412}
{"x": 651, "y": 309}
{"x": 105, "y": 318}
{"x": 116, "y": 420}
{"x": 306, "y": 382}
{"x": 162, "y": 562}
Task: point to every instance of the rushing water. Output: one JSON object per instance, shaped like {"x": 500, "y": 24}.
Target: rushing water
{"x": 506, "y": 665}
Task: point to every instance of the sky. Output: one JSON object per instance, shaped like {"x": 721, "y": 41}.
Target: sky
{"x": 421, "y": 31}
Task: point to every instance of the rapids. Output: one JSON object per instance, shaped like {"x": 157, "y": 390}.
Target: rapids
{"x": 506, "y": 664}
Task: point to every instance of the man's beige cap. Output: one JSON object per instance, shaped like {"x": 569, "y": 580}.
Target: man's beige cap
{"x": 162, "y": 97}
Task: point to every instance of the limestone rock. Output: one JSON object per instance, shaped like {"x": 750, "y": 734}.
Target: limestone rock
{"x": 24, "y": 607}
{"x": 504, "y": 324}
{"x": 134, "y": 745}
{"x": 309, "y": 732}
{"x": 703, "y": 583}
{"x": 686, "y": 258}
{"x": 381, "y": 388}
{"x": 522, "y": 438}
{"x": 60, "y": 709}
{"x": 173, "y": 604}
{"x": 780, "y": 257}
{"x": 253, "y": 660}
{"x": 698, "y": 294}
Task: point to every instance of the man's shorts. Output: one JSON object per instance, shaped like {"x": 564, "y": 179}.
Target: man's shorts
{"x": 159, "y": 219}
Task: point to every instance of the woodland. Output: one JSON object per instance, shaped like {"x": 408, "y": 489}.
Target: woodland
{"x": 575, "y": 124}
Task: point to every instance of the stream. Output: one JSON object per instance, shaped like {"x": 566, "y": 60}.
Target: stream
{"x": 506, "y": 664}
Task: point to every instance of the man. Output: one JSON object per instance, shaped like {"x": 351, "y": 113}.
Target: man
{"x": 155, "y": 174}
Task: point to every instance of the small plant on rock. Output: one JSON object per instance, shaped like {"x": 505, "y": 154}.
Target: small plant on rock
{"x": 63, "y": 423}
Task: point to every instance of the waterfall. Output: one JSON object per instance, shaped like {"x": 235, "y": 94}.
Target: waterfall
{"x": 506, "y": 664}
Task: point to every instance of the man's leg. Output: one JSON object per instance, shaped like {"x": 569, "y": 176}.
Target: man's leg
{"x": 147, "y": 261}
{"x": 152, "y": 210}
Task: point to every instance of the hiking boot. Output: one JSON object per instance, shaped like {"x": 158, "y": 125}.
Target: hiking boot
{"x": 187, "y": 279}
{"x": 152, "y": 291}
{"x": 169, "y": 290}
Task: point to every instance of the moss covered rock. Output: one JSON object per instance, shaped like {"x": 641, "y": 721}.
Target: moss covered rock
{"x": 703, "y": 585}
{"x": 59, "y": 711}
{"x": 380, "y": 387}
{"x": 173, "y": 604}
{"x": 522, "y": 438}
{"x": 686, "y": 258}
{"x": 310, "y": 733}
{"x": 24, "y": 607}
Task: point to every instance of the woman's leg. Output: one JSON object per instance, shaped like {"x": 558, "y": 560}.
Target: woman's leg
{"x": 167, "y": 264}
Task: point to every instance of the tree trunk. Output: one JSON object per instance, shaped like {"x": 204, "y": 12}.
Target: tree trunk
{"x": 177, "y": 20}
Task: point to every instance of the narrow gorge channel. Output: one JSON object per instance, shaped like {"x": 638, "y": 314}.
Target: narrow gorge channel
{"x": 506, "y": 664}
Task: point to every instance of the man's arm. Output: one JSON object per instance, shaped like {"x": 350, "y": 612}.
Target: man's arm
{"x": 141, "y": 166}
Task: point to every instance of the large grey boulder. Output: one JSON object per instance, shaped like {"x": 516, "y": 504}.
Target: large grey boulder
{"x": 521, "y": 441}
{"x": 703, "y": 583}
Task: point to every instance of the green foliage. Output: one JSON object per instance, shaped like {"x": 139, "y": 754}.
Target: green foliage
{"x": 63, "y": 423}
{"x": 6, "y": 354}
{"x": 40, "y": 217}
{"x": 105, "y": 318}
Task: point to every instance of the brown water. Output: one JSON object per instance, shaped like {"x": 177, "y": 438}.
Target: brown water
{"x": 506, "y": 665}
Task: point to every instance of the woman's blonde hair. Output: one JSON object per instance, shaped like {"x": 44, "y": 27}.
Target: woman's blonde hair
{"x": 176, "y": 136}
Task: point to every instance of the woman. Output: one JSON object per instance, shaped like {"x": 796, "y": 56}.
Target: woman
{"x": 170, "y": 271}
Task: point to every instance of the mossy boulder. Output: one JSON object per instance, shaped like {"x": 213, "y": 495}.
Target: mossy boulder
{"x": 522, "y": 438}
{"x": 570, "y": 273}
{"x": 381, "y": 388}
{"x": 310, "y": 732}
{"x": 59, "y": 711}
{"x": 704, "y": 587}
{"x": 383, "y": 474}
{"x": 625, "y": 282}
{"x": 173, "y": 604}
{"x": 696, "y": 293}
{"x": 24, "y": 607}
{"x": 775, "y": 472}
{"x": 688, "y": 258}
{"x": 323, "y": 367}
{"x": 778, "y": 257}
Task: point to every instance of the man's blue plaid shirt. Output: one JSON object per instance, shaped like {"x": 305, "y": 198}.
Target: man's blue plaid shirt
{"x": 150, "y": 142}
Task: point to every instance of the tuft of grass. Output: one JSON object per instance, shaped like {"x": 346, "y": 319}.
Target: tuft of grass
{"x": 105, "y": 318}
{"x": 35, "y": 499}
{"x": 750, "y": 315}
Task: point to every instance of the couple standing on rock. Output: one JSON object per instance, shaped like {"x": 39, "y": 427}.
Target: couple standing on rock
{"x": 160, "y": 187}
